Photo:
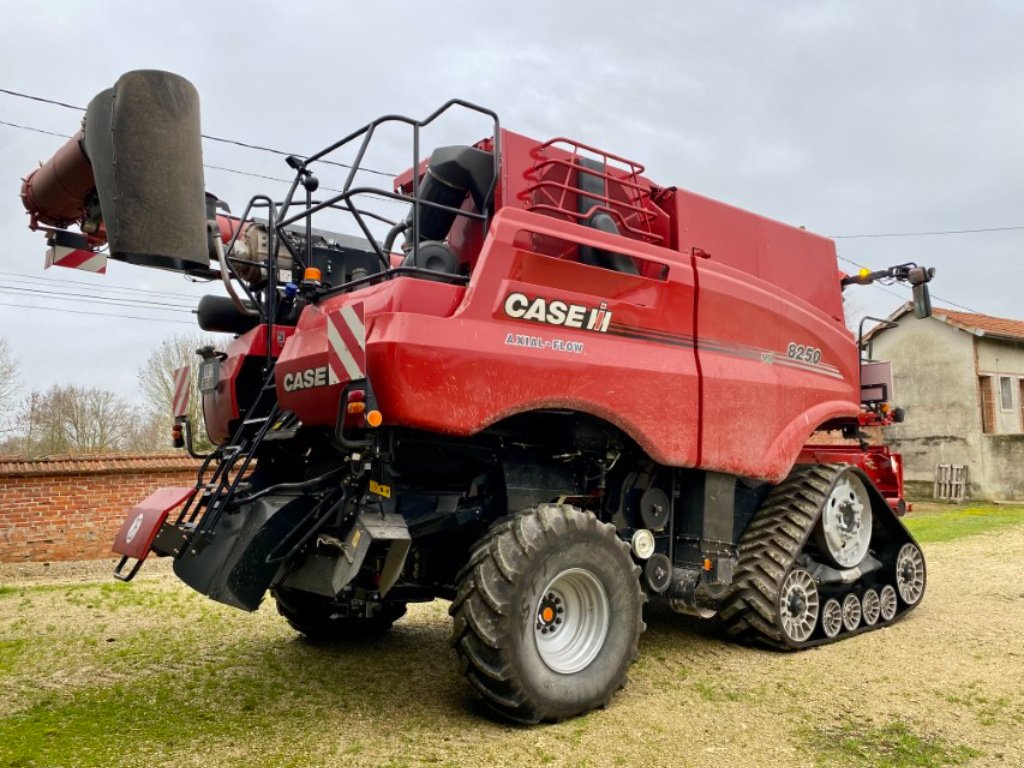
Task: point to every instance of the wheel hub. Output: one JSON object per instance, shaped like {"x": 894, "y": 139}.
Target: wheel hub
{"x": 572, "y": 619}
{"x": 549, "y": 614}
{"x": 845, "y": 530}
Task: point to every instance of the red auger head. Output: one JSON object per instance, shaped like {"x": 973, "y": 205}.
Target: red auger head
{"x": 134, "y": 173}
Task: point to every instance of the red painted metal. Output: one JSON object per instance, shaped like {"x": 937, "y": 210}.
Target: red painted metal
{"x": 884, "y": 467}
{"x": 726, "y": 352}
{"x": 55, "y": 193}
{"x": 221, "y": 406}
{"x": 143, "y": 521}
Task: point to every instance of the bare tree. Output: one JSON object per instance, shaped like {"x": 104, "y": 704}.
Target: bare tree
{"x": 73, "y": 419}
{"x": 10, "y": 381}
{"x": 156, "y": 382}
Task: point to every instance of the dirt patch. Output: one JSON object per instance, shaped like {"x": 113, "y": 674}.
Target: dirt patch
{"x": 80, "y": 659}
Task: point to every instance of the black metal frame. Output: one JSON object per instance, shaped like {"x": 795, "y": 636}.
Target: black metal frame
{"x": 348, "y": 191}
{"x": 199, "y": 517}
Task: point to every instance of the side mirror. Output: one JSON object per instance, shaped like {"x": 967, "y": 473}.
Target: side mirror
{"x": 922, "y": 301}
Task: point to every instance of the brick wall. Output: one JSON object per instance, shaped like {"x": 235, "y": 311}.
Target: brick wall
{"x": 69, "y": 508}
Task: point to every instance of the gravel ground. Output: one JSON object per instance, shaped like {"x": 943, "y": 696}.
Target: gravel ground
{"x": 944, "y": 686}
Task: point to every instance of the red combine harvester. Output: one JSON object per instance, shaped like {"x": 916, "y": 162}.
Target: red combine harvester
{"x": 549, "y": 392}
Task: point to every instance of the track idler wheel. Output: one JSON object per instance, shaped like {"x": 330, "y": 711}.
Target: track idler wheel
{"x": 798, "y": 606}
{"x": 910, "y": 574}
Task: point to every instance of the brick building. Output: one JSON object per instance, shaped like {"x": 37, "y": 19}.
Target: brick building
{"x": 960, "y": 378}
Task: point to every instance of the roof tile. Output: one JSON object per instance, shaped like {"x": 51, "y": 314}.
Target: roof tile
{"x": 991, "y": 326}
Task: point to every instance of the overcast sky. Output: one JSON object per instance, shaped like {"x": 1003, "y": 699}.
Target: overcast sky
{"x": 847, "y": 118}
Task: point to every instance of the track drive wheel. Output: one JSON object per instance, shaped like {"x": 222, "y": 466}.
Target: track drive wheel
{"x": 548, "y": 614}
{"x": 316, "y": 617}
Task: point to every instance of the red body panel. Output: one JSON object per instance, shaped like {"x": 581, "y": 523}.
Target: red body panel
{"x": 220, "y": 407}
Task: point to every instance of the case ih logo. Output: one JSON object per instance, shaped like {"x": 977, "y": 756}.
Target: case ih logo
{"x": 540, "y": 310}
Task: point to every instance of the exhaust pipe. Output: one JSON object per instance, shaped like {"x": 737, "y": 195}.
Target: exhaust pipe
{"x": 139, "y": 161}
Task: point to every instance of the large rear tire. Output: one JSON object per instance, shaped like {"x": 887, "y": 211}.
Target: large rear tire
{"x": 548, "y": 614}
{"x": 321, "y": 621}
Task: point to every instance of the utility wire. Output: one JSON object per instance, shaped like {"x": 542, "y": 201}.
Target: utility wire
{"x": 219, "y": 139}
{"x": 20, "y": 277}
{"x": 124, "y": 302}
{"x": 35, "y": 130}
{"x": 929, "y": 234}
{"x": 97, "y": 314}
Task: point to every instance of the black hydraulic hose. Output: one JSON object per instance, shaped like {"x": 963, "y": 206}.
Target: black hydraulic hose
{"x": 393, "y": 234}
{"x": 302, "y": 485}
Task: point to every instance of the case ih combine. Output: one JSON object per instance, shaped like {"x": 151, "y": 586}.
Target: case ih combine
{"x": 550, "y": 392}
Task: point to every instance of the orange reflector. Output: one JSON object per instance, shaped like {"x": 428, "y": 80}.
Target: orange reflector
{"x": 311, "y": 273}
{"x": 356, "y": 407}
{"x": 707, "y": 563}
{"x": 547, "y": 614}
{"x": 374, "y": 418}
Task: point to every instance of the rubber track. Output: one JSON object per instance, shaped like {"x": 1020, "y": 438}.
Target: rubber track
{"x": 481, "y": 614}
{"x": 767, "y": 551}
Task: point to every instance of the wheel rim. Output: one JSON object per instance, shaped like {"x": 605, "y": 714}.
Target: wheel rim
{"x": 910, "y": 573}
{"x": 571, "y": 621}
{"x": 887, "y": 602}
{"x": 798, "y": 605}
{"x": 831, "y": 618}
{"x": 846, "y": 521}
{"x": 871, "y": 606}
{"x": 851, "y": 612}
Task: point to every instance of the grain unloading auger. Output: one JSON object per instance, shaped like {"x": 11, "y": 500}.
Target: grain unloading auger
{"x": 549, "y": 392}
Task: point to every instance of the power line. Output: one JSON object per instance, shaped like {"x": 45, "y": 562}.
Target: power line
{"x": 117, "y": 288}
{"x": 35, "y": 130}
{"x": 929, "y": 234}
{"x": 219, "y": 139}
{"x": 41, "y": 99}
{"x": 97, "y": 314}
{"x": 124, "y": 302}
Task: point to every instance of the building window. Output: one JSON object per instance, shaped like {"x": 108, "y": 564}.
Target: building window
{"x": 1006, "y": 393}
{"x": 988, "y": 405}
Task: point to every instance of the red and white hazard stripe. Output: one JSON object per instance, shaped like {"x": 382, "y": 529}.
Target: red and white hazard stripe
{"x": 182, "y": 390}
{"x": 346, "y": 344}
{"x": 90, "y": 261}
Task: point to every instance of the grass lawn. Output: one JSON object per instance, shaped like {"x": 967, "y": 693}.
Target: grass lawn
{"x": 107, "y": 674}
{"x": 931, "y": 523}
